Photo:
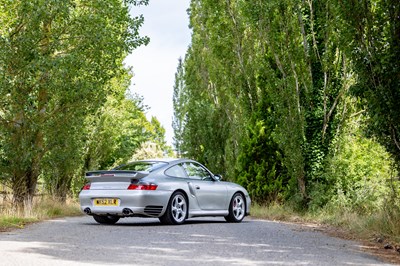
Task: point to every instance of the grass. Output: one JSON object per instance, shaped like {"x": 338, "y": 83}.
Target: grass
{"x": 276, "y": 212}
{"x": 41, "y": 209}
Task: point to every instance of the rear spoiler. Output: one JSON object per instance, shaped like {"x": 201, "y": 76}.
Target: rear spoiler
{"x": 114, "y": 175}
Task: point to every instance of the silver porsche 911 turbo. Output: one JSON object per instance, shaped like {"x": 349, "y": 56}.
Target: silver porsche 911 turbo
{"x": 172, "y": 190}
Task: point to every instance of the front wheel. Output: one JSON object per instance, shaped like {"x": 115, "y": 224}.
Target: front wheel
{"x": 176, "y": 210}
{"x": 237, "y": 209}
{"x": 105, "y": 219}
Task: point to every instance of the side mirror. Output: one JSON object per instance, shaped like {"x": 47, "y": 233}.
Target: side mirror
{"x": 218, "y": 177}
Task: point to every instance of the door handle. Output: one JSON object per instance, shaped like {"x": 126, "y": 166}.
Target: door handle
{"x": 197, "y": 187}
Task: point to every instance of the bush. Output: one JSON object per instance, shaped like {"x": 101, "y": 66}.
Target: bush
{"x": 260, "y": 169}
{"x": 358, "y": 172}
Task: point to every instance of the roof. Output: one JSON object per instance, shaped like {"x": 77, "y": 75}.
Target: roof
{"x": 168, "y": 160}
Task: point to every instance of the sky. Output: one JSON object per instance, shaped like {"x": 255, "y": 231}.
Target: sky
{"x": 166, "y": 23}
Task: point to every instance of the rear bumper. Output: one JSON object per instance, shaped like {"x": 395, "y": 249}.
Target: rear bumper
{"x": 130, "y": 203}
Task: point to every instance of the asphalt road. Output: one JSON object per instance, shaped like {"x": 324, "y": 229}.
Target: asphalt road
{"x": 206, "y": 241}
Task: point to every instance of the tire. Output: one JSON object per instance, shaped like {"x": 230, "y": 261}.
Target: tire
{"x": 237, "y": 209}
{"x": 176, "y": 212}
{"x": 105, "y": 219}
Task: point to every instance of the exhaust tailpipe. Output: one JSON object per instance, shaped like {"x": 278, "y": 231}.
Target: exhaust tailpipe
{"x": 127, "y": 211}
{"x": 87, "y": 211}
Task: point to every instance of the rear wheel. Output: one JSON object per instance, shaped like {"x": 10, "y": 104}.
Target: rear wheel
{"x": 176, "y": 210}
{"x": 237, "y": 209}
{"x": 106, "y": 219}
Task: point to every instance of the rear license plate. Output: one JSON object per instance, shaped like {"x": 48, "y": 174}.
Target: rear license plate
{"x": 106, "y": 202}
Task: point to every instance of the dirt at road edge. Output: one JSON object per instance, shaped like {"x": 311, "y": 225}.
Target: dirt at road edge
{"x": 374, "y": 246}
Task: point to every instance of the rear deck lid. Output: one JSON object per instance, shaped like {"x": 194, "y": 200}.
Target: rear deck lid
{"x": 115, "y": 176}
{"x": 114, "y": 179}
{"x": 122, "y": 176}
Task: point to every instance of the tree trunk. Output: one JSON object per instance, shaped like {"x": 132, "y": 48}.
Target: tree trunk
{"x": 24, "y": 187}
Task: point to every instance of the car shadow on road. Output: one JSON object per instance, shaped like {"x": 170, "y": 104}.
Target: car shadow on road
{"x": 155, "y": 222}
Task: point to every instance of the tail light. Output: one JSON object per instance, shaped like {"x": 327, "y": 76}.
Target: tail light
{"x": 143, "y": 186}
{"x": 86, "y": 187}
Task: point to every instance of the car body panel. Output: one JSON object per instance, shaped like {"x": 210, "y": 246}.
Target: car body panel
{"x": 205, "y": 197}
{"x": 210, "y": 195}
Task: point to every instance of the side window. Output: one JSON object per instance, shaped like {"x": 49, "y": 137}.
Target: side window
{"x": 176, "y": 171}
{"x": 196, "y": 171}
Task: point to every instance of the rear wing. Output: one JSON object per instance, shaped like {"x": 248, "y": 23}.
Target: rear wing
{"x": 114, "y": 175}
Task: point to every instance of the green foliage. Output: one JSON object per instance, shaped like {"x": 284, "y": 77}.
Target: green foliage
{"x": 359, "y": 170}
{"x": 148, "y": 150}
{"x": 205, "y": 127}
{"x": 158, "y": 133}
{"x": 263, "y": 95}
{"x": 372, "y": 33}
{"x": 116, "y": 132}
{"x": 260, "y": 169}
{"x": 246, "y": 53}
{"x": 57, "y": 59}
{"x": 179, "y": 102}
{"x": 215, "y": 96}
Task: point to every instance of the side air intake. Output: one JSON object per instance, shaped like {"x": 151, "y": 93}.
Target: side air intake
{"x": 153, "y": 210}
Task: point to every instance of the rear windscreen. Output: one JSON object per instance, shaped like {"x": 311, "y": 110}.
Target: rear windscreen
{"x": 141, "y": 166}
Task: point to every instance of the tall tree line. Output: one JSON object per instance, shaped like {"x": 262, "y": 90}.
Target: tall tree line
{"x": 63, "y": 102}
{"x": 269, "y": 88}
